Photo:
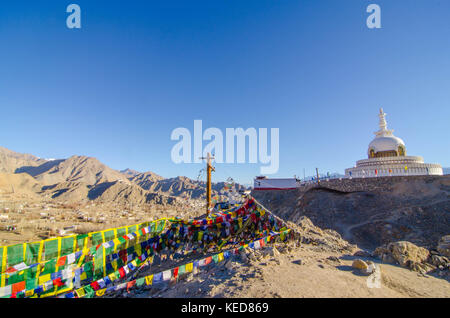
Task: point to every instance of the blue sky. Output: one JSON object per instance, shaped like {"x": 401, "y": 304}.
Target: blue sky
{"x": 136, "y": 70}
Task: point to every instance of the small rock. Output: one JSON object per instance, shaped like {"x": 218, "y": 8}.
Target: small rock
{"x": 229, "y": 265}
{"x": 189, "y": 277}
{"x": 359, "y": 264}
{"x": 299, "y": 262}
{"x": 419, "y": 267}
{"x": 244, "y": 258}
{"x": 333, "y": 259}
{"x": 444, "y": 245}
{"x": 371, "y": 268}
{"x": 439, "y": 260}
{"x": 276, "y": 252}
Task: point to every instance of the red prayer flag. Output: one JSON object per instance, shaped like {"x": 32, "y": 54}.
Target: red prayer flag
{"x": 121, "y": 272}
{"x": 175, "y": 272}
{"x": 130, "y": 284}
{"x": 58, "y": 282}
{"x": 95, "y": 285}
{"x": 17, "y": 287}
{"x": 261, "y": 242}
{"x": 62, "y": 261}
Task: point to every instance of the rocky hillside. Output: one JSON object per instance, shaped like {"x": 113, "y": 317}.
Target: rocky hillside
{"x": 374, "y": 211}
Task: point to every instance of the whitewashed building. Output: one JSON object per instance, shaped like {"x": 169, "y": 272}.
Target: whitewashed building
{"x": 264, "y": 183}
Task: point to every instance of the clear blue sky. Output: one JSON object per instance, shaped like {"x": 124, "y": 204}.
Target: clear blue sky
{"x": 136, "y": 70}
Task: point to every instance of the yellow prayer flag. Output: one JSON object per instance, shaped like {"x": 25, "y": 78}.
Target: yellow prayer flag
{"x": 149, "y": 279}
{"x": 189, "y": 267}
{"x": 112, "y": 276}
{"x": 100, "y": 292}
{"x": 29, "y": 293}
{"x": 80, "y": 292}
{"x": 221, "y": 257}
{"x": 138, "y": 250}
{"x": 44, "y": 278}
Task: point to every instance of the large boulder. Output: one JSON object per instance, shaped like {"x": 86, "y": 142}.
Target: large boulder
{"x": 444, "y": 245}
{"x": 403, "y": 252}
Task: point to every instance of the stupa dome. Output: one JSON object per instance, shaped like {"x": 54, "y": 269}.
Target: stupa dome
{"x": 388, "y": 143}
{"x": 385, "y": 144}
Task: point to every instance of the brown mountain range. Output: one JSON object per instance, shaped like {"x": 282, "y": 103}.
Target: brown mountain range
{"x": 81, "y": 179}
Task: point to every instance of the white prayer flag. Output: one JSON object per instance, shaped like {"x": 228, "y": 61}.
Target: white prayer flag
{"x": 167, "y": 275}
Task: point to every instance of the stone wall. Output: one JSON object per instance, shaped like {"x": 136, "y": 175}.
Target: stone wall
{"x": 367, "y": 184}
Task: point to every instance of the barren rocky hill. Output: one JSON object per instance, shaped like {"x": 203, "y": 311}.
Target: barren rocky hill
{"x": 129, "y": 173}
{"x": 372, "y": 212}
{"x": 181, "y": 186}
{"x": 74, "y": 169}
{"x": 145, "y": 179}
{"x": 10, "y": 161}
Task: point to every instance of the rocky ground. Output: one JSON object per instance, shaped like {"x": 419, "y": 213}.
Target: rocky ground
{"x": 318, "y": 263}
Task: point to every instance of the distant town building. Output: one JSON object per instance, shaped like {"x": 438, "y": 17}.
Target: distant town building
{"x": 264, "y": 183}
{"x": 387, "y": 157}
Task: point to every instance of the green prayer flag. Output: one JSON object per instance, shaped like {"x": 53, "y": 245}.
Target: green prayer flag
{"x": 140, "y": 281}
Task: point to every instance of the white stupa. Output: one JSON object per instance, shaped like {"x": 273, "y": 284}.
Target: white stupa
{"x": 387, "y": 157}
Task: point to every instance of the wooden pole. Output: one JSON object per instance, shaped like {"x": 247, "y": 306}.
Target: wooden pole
{"x": 209, "y": 168}
{"x": 317, "y": 172}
